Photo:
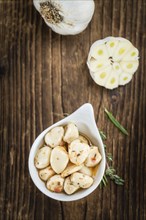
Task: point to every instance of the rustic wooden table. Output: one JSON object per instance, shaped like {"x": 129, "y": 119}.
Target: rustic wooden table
{"x": 42, "y": 76}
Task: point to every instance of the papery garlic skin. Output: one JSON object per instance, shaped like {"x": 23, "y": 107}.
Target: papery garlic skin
{"x": 112, "y": 62}
{"x": 72, "y": 17}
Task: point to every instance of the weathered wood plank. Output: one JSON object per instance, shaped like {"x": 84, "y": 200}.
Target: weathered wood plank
{"x": 42, "y": 76}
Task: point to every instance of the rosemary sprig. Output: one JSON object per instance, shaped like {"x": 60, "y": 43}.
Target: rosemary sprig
{"x": 110, "y": 171}
{"x": 115, "y": 122}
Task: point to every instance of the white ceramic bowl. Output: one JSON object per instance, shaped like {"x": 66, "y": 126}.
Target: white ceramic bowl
{"x": 85, "y": 121}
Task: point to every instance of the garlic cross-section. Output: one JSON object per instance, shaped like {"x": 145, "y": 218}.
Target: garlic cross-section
{"x": 112, "y": 62}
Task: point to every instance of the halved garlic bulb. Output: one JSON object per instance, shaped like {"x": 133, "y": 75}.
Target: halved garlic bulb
{"x": 66, "y": 17}
{"x": 110, "y": 59}
{"x": 59, "y": 159}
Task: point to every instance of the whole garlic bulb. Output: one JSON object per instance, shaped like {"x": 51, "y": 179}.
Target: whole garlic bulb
{"x": 66, "y": 17}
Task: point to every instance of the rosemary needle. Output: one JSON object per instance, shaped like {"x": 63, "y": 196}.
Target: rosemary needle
{"x": 115, "y": 122}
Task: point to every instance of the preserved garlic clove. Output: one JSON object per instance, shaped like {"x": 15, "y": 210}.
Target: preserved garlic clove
{"x": 71, "y": 133}
{"x": 59, "y": 159}
{"x": 94, "y": 157}
{"x": 86, "y": 170}
{"x": 55, "y": 183}
{"x": 111, "y": 57}
{"x": 71, "y": 168}
{"x": 69, "y": 188}
{"x": 46, "y": 173}
{"x": 81, "y": 180}
{"x": 54, "y": 137}
{"x": 78, "y": 152}
{"x": 42, "y": 157}
{"x": 83, "y": 139}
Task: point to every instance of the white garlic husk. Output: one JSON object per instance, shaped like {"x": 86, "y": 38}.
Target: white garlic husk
{"x": 66, "y": 17}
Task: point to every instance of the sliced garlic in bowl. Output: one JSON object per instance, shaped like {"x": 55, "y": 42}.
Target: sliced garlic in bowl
{"x": 56, "y": 186}
{"x": 110, "y": 59}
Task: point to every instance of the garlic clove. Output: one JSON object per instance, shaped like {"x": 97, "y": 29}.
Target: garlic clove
{"x": 55, "y": 183}
{"x": 42, "y": 157}
{"x": 78, "y": 152}
{"x": 71, "y": 168}
{"x": 132, "y": 54}
{"x": 94, "y": 157}
{"x": 129, "y": 66}
{"x": 125, "y": 78}
{"x": 71, "y": 133}
{"x": 59, "y": 159}
{"x": 86, "y": 170}
{"x": 121, "y": 50}
{"x": 69, "y": 188}
{"x": 81, "y": 180}
{"x": 54, "y": 137}
{"x": 112, "y": 45}
{"x": 97, "y": 65}
{"x": 99, "y": 52}
{"x": 46, "y": 173}
{"x": 101, "y": 77}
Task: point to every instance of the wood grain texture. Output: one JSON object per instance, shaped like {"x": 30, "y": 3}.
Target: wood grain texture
{"x": 42, "y": 76}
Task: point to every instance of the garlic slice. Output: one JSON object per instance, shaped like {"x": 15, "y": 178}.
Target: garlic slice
{"x": 86, "y": 170}
{"x": 71, "y": 133}
{"x": 94, "y": 157}
{"x": 78, "y": 152}
{"x": 69, "y": 187}
{"x": 59, "y": 159}
{"x": 55, "y": 183}
{"x": 54, "y": 137}
{"x": 42, "y": 157}
{"x": 81, "y": 180}
{"x": 46, "y": 173}
{"x": 71, "y": 168}
{"x": 111, "y": 57}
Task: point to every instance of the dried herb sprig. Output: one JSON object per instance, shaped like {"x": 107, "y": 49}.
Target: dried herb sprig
{"x": 110, "y": 171}
{"x": 115, "y": 122}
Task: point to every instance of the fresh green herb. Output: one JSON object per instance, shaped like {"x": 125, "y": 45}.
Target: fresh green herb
{"x": 115, "y": 122}
{"x": 103, "y": 136}
{"x": 110, "y": 171}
